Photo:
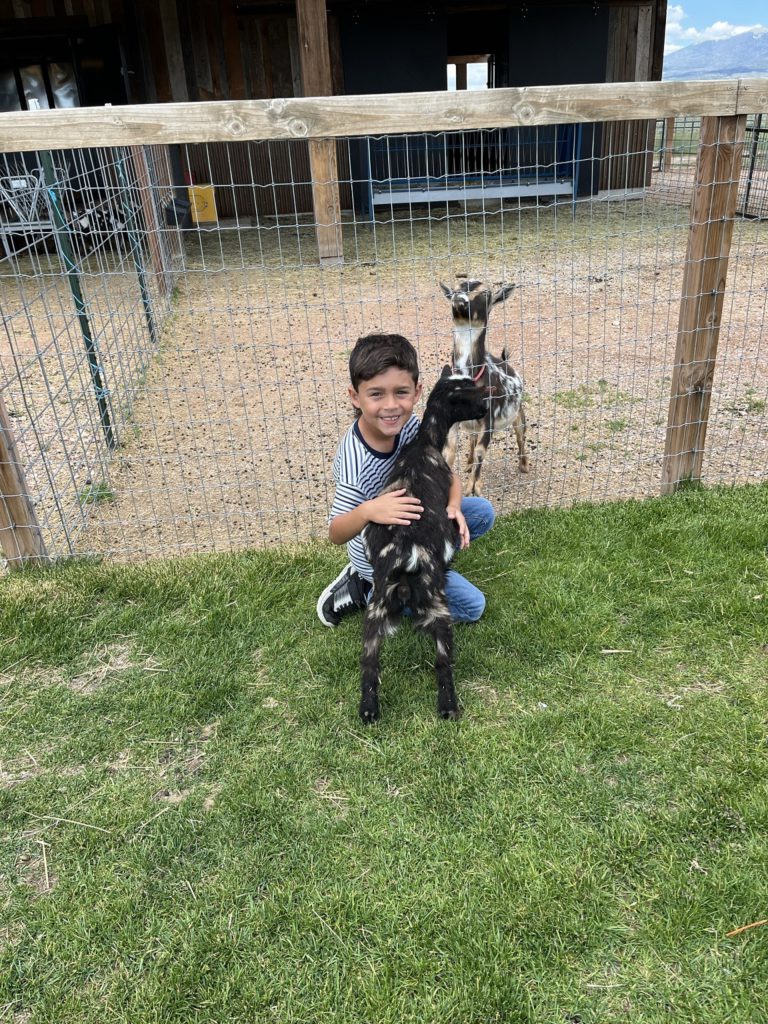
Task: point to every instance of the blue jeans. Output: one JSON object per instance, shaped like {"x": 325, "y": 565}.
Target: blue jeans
{"x": 465, "y": 601}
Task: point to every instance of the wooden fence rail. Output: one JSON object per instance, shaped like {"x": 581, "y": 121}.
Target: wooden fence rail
{"x": 327, "y": 117}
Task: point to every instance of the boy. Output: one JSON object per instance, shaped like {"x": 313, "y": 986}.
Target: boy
{"x": 384, "y": 373}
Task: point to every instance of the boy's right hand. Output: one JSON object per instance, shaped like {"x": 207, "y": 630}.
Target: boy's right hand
{"x": 395, "y": 508}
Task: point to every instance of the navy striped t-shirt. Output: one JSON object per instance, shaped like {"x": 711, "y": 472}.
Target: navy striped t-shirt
{"x": 360, "y": 473}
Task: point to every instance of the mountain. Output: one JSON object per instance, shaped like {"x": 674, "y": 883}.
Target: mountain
{"x": 741, "y": 56}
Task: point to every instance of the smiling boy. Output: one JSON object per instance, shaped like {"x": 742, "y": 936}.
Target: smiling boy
{"x": 384, "y": 375}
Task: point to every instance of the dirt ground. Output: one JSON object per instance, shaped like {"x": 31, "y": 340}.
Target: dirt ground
{"x": 227, "y": 430}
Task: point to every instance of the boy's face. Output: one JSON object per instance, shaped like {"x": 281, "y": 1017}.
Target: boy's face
{"x": 385, "y": 403}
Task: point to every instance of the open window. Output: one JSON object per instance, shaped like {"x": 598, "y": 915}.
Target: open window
{"x": 51, "y": 83}
{"x": 470, "y": 71}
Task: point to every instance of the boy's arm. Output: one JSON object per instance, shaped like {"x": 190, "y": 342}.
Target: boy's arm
{"x": 454, "y": 510}
{"x": 395, "y": 508}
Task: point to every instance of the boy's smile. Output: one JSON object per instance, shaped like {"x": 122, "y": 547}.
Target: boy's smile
{"x": 385, "y": 402}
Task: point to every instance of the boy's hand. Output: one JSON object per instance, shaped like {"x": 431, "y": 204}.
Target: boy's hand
{"x": 454, "y": 512}
{"x": 395, "y": 508}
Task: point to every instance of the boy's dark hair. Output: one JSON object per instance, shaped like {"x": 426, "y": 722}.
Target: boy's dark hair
{"x": 376, "y": 353}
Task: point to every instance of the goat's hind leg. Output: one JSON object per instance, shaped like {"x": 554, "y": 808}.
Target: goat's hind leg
{"x": 519, "y": 428}
{"x": 373, "y": 634}
{"x": 479, "y": 450}
{"x": 441, "y": 630}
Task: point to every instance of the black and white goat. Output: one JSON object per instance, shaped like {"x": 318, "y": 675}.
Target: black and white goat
{"x": 410, "y": 562}
{"x": 471, "y": 303}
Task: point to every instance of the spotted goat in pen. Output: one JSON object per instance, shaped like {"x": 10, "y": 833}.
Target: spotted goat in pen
{"x": 410, "y": 562}
{"x": 471, "y": 303}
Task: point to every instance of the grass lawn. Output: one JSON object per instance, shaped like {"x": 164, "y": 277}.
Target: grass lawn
{"x": 197, "y": 829}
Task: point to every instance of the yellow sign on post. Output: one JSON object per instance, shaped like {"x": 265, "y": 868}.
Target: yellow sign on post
{"x": 202, "y": 204}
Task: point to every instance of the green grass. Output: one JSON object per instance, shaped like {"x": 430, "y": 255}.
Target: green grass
{"x": 587, "y": 396}
{"x": 95, "y": 494}
{"x": 197, "y": 829}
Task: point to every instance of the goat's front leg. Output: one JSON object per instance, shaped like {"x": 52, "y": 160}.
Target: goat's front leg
{"x": 373, "y": 634}
{"x": 449, "y": 451}
{"x": 478, "y": 455}
{"x": 441, "y": 630}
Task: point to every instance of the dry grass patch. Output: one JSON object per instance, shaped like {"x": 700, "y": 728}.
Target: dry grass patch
{"x": 337, "y": 800}
{"x": 107, "y": 661}
{"x": 35, "y": 871}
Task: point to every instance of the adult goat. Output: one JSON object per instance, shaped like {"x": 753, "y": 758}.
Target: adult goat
{"x": 471, "y": 303}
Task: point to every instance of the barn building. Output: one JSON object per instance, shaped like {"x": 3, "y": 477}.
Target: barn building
{"x": 91, "y": 52}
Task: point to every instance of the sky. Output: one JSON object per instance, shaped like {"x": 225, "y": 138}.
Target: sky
{"x": 694, "y": 21}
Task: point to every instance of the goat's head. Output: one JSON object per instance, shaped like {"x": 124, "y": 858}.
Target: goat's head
{"x": 456, "y": 398}
{"x": 471, "y": 301}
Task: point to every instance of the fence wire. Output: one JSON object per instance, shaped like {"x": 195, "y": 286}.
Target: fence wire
{"x": 174, "y": 353}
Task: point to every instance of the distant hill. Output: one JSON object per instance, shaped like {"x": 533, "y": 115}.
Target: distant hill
{"x": 742, "y": 56}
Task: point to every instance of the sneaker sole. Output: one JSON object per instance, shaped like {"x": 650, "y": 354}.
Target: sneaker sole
{"x": 326, "y": 593}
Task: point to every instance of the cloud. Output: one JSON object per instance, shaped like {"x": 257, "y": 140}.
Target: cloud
{"x": 677, "y": 35}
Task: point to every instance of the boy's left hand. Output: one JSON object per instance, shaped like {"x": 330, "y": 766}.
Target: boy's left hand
{"x": 454, "y": 512}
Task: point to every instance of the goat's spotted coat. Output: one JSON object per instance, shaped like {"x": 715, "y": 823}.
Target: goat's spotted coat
{"x": 410, "y": 562}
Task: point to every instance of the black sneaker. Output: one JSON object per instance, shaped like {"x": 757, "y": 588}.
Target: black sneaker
{"x": 348, "y": 593}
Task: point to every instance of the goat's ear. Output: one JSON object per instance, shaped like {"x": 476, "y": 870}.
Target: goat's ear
{"x": 448, "y": 292}
{"x": 502, "y": 293}
{"x": 447, "y": 371}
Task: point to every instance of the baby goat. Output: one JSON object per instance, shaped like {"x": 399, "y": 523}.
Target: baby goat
{"x": 410, "y": 562}
{"x": 470, "y": 305}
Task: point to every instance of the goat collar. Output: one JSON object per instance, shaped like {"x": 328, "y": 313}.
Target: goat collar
{"x": 477, "y": 376}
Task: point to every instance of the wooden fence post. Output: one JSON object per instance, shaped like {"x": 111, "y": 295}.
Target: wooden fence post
{"x": 21, "y": 539}
{"x": 151, "y": 223}
{"x": 718, "y": 167}
{"x": 316, "y": 78}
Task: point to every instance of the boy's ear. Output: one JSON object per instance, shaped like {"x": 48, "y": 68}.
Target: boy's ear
{"x": 352, "y": 392}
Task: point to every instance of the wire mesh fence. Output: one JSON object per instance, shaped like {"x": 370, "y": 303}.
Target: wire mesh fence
{"x": 192, "y": 397}
{"x": 676, "y": 146}
{"x": 86, "y": 288}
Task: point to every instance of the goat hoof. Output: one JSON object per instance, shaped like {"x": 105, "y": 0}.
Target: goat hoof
{"x": 448, "y": 709}
{"x": 525, "y": 465}
{"x": 369, "y": 712}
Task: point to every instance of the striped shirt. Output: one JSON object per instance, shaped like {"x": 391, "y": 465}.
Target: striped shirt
{"x": 360, "y": 473}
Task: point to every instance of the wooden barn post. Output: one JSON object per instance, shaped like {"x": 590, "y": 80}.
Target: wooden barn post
{"x": 713, "y": 208}
{"x": 315, "y": 60}
{"x": 21, "y": 539}
{"x": 151, "y": 220}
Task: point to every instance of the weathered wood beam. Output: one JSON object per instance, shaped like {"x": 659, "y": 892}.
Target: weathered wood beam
{"x": 316, "y": 80}
{"x": 334, "y": 116}
{"x": 21, "y": 539}
{"x": 706, "y": 265}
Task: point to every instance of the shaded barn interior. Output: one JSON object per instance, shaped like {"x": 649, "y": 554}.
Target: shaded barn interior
{"x": 136, "y": 51}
